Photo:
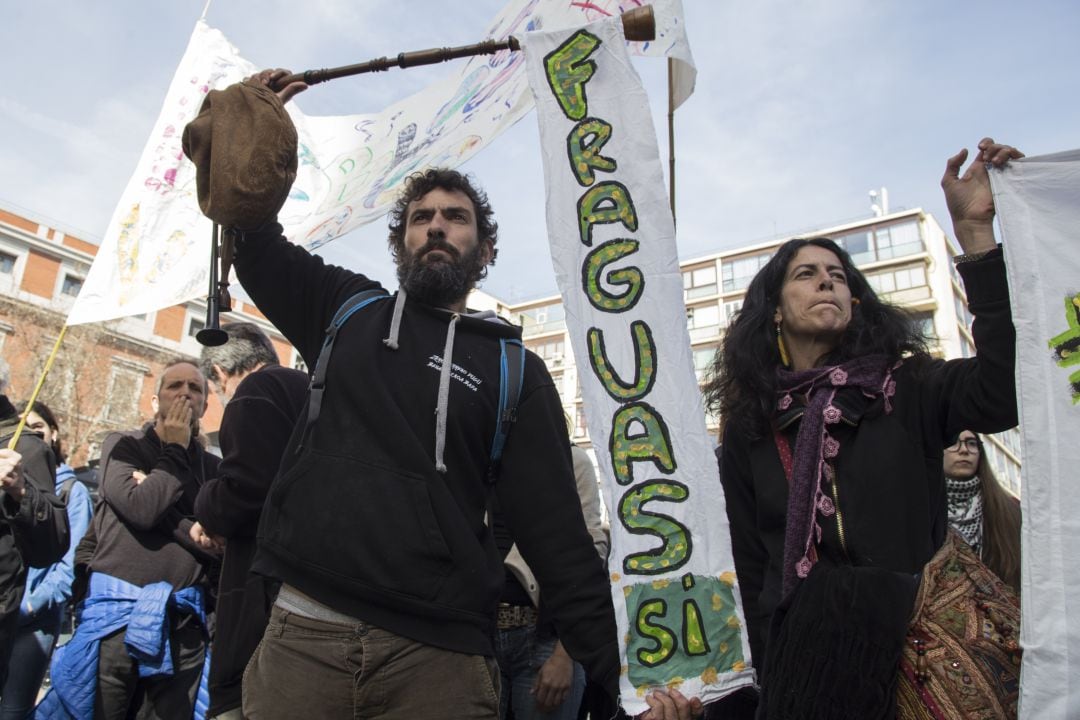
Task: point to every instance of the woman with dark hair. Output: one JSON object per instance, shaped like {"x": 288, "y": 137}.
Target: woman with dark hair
{"x": 835, "y": 418}
{"x": 980, "y": 509}
{"x": 48, "y": 589}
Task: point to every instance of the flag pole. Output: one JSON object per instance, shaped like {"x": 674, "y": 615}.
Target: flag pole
{"x": 37, "y": 389}
{"x": 671, "y": 133}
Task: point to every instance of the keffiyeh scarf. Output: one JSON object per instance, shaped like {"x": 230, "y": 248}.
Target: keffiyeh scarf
{"x": 966, "y": 509}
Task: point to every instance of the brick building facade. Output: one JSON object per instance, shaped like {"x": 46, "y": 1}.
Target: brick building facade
{"x": 104, "y": 374}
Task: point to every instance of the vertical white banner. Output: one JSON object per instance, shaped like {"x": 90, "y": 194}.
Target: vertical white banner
{"x": 677, "y": 601}
{"x": 1038, "y": 206}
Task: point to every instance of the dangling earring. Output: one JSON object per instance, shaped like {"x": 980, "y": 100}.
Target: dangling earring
{"x": 784, "y": 359}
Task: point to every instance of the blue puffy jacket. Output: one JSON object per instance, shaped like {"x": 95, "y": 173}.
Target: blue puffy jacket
{"x": 113, "y": 604}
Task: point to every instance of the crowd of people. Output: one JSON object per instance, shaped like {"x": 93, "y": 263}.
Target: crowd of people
{"x": 408, "y": 532}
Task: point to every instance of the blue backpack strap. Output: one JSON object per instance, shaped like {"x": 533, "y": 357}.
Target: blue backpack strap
{"x": 318, "y": 378}
{"x": 511, "y": 378}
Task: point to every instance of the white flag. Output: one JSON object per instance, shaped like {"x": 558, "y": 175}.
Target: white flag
{"x": 676, "y": 596}
{"x": 1038, "y": 206}
{"x": 156, "y": 248}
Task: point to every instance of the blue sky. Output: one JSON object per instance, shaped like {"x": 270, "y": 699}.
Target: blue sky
{"x": 801, "y": 107}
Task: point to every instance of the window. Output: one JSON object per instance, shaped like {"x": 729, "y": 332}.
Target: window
{"x": 703, "y": 359}
{"x": 580, "y": 425}
{"x": 699, "y": 282}
{"x": 194, "y": 326}
{"x": 738, "y": 273}
{"x": 895, "y": 280}
{"x": 858, "y": 245}
{"x": 882, "y": 243}
{"x": 924, "y": 321}
{"x": 122, "y": 401}
{"x": 731, "y": 307}
{"x": 703, "y": 321}
{"x": 897, "y": 240}
{"x": 552, "y": 352}
{"x": 546, "y": 318}
{"x": 7, "y": 263}
{"x": 71, "y": 286}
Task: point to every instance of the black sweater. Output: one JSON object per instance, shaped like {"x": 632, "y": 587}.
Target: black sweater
{"x": 360, "y": 519}
{"x": 255, "y": 429}
{"x": 890, "y": 482}
{"x": 142, "y": 528}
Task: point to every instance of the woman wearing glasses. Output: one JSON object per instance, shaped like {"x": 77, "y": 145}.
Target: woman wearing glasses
{"x": 981, "y": 510}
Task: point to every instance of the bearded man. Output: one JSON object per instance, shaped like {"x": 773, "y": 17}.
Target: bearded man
{"x": 376, "y": 524}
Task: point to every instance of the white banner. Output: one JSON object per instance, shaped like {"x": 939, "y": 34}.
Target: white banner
{"x": 676, "y": 597}
{"x": 1038, "y": 207}
{"x": 156, "y": 248}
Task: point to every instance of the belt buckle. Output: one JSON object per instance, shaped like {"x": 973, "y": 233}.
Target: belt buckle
{"x": 514, "y": 616}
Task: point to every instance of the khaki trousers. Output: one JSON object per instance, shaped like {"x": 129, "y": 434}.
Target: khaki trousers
{"x": 311, "y": 668}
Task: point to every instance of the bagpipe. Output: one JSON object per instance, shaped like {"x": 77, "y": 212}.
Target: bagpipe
{"x": 244, "y": 146}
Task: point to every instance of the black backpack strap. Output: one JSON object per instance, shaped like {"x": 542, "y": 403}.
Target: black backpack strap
{"x": 318, "y": 378}
{"x": 511, "y": 378}
{"x": 65, "y": 489}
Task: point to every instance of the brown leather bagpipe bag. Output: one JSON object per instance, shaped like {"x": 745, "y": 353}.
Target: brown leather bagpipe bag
{"x": 961, "y": 657}
{"x": 243, "y": 144}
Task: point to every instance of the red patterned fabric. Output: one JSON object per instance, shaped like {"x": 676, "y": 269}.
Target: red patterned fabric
{"x": 962, "y": 655}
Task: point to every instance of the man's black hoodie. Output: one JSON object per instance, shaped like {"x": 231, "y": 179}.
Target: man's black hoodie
{"x": 359, "y": 517}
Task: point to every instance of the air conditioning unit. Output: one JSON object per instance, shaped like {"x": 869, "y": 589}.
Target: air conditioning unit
{"x": 557, "y": 359}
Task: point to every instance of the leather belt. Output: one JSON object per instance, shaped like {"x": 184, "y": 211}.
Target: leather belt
{"x": 514, "y": 616}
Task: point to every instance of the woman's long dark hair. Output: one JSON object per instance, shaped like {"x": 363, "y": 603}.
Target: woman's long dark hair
{"x": 1001, "y": 524}
{"x": 742, "y": 381}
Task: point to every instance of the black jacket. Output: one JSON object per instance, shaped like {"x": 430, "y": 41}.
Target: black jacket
{"x": 890, "y": 482}
{"x": 360, "y": 519}
{"x": 255, "y": 429}
{"x": 33, "y": 531}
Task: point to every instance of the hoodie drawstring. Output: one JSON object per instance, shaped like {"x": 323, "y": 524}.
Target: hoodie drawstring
{"x": 391, "y": 340}
{"x": 444, "y": 395}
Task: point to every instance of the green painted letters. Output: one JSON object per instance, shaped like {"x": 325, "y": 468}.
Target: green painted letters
{"x": 568, "y": 69}
{"x": 583, "y": 146}
{"x": 631, "y": 277}
{"x": 605, "y": 202}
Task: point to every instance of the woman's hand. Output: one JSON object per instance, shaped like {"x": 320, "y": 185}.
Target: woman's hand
{"x": 671, "y": 705}
{"x": 969, "y": 197}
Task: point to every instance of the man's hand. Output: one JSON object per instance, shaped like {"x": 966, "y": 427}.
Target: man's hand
{"x": 138, "y": 476}
{"x": 671, "y": 705}
{"x": 210, "y": 543}
{"x": 175, "y": 427}
{"x": 553, "y": 682}
{"x": 271, "y": 78}
{"x": 969, "y": 197}
{"x": 11, "y": 478}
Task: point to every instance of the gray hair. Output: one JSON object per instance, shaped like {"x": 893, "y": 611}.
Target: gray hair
{"x": 248, "y": 347}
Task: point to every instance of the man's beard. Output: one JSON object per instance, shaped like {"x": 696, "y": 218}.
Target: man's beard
{"x": 440, "y": 282}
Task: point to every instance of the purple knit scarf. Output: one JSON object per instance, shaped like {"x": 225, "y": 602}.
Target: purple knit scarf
{"x": 815, "y": 447}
